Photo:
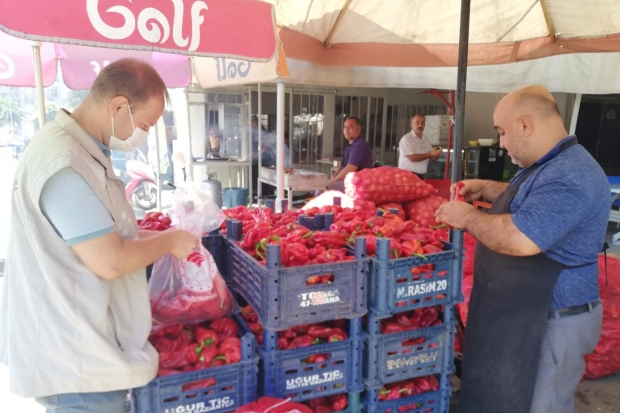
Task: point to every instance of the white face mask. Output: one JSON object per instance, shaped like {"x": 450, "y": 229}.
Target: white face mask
{"x": 135, "y": 141}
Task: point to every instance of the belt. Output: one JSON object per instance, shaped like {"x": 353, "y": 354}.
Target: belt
{"x": 568, "y": 311}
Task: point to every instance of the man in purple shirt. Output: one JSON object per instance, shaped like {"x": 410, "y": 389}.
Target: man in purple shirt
{"x": 357, "y": 155}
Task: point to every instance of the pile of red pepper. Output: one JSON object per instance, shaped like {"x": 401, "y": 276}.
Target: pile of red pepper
{"x": 406, "y": 239}
{"x": 299, "y": 245}
{"x": 184, "y": 348}
{"x": 412, "y": 320}
{"x": 259, "y": 215}
{"x": 406, "y": 388}
{"x": 300, "y": 336}
{"x": 328, "y": 404}
{"x": 154, "y": 221}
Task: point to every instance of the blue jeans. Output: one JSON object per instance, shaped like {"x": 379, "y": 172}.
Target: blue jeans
{"x": 108, "y": 402}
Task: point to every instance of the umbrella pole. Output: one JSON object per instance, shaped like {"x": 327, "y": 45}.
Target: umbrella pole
{"x": 280, "y": 146}
{"x": 38, "y": 78}
{"x": 461, "y": 84}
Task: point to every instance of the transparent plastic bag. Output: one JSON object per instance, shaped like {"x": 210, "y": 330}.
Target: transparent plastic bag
{"x": 191, "y": 290}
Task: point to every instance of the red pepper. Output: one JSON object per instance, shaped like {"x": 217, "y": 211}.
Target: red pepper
{"x": 231, "y": 349}
{"x": 301, "y": 342}
{"x": 206, "y": 337}
{"x": 337, "y": 336}
{"x": 388, "y": 328}
{"x": 396, "y": 249}
{"x": 431, "y": 249}
{"x": 330, "y": 239}
{"x": 317, "y": 358}
{"x": 298, "y": 254}
{"x": 457, "y": 191}
{"x": 207, "y": 355}
{"x": 371, "y": 245}
{"x": 315, "y": 251}
{"x": 391, "y": 394}
{"x": 430, "y": 315}
{"x": 198, "y": 385}
{"x": 321, "y": 331}
{"x": 188, "y": 355}
{"x": 225, "y": 327}
{"x": 249, "y": 314}
{"x": 407, "y": 389}
{"x": 411, "y": 248}
{"x": 289, "y": 333}
{"x": 404, "y": 321}
{"x": 375, "y": 222}
{"x": 283, "y": 343}
{"x": 423, "y": 384}
{"x": 416, "y": 317}
{"x": 339, "y": 402}
{"x": 389, "y": 217}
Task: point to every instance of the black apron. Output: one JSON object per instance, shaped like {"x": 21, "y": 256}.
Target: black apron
{"x": 507, "y": 319}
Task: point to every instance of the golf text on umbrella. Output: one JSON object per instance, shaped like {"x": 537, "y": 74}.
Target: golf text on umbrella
{"x": 150, "y": 31}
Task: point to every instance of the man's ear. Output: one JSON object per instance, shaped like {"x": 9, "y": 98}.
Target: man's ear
{"x": 116, "y": 104}
{"x": 526, "y": 125}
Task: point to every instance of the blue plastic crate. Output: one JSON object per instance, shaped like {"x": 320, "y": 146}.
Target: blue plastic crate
{"x": 285, "y": 373}
{"x": 235, "y": 385}
{"x": 394, "y": 289}
{"x": 432, "y": 402}
{"x": 281, "y": 297}
{"x": 388, "y": 358}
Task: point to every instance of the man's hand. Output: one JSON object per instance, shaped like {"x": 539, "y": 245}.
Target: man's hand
{"x": 471, "y": 189}
{"x": 183, "y": 243}
{"x": 435, "y": 154}
{"x": 454, "y": 213}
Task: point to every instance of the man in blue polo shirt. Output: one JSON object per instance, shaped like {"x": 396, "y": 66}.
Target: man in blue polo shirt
{"x": 535, "y": 310}
{"x": 357, "y": 155}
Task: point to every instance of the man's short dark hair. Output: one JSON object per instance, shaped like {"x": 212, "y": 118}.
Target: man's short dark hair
{"x": 254, "y": 119}
{"x": 138, "y": 81}
{"x": 355, "y": 119}
{"x": 418, "y": 114}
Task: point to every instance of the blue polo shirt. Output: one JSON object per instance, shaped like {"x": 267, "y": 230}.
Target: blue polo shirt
{"x": 563, "y": 207}
{"x": 72, "y": 207}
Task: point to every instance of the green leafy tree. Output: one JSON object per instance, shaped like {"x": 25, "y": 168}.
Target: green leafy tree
{"x": 10, "y": 110}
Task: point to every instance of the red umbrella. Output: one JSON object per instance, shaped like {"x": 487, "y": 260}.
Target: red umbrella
{"x": 218, "y": 28}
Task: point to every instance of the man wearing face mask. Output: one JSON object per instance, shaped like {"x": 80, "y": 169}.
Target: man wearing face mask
{"x": 75, "y": 314}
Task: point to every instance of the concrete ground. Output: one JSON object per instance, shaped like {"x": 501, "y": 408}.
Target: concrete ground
{"x": 596, "y": 396}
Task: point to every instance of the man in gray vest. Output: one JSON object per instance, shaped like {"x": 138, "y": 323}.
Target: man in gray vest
{"x": 75, "y": 314}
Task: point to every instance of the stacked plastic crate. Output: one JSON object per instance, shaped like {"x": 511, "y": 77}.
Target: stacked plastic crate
{"x": 285, "y": 300}
{"x": 407, "y": 369}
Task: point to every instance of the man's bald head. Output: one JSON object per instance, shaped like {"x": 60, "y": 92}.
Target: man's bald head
{"x": 529, "y": 123}
{"x": 532, "y": 100}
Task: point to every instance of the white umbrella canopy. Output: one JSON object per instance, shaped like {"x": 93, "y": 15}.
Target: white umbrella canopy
{"x": 418, "y": 33}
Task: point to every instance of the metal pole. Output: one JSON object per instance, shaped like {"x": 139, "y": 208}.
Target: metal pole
{"x": 158, "y": 166}
{"x": 280, "y": 145}
{"x": 461, "y": 84}
{"x": 38, "y": 78}
{"x": 575, "y": 114}
{"x": 291, "y": 127}
{"x": 259, "y": 189}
